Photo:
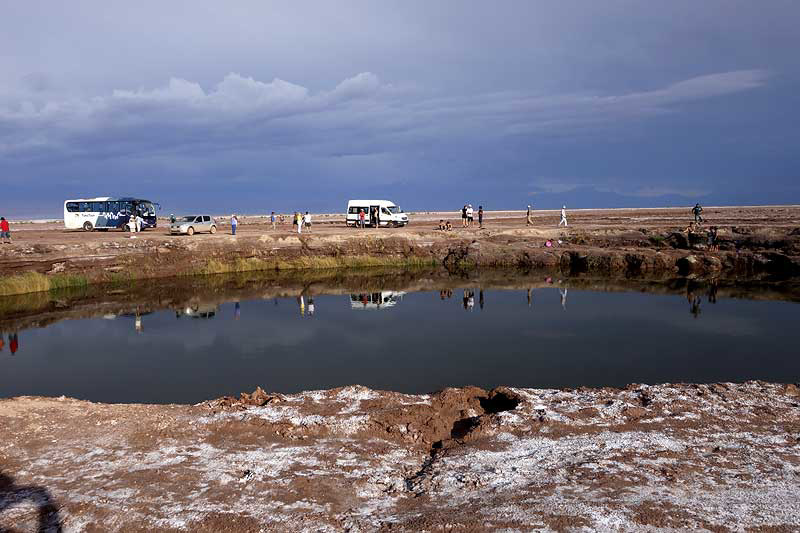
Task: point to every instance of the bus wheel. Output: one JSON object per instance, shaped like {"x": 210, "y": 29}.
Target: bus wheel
{"x": 213, "y": 229}
{"x": 87, "y": 226}
{"x": 190, "y": 231}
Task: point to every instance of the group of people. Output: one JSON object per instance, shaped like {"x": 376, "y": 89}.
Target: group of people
{"x": 696, "y": 227}
{"x": 301, "y": 220}
{"x": 374, "y": 218}
{"x": 529, "y": 216}
{"x": 468, "y": 216}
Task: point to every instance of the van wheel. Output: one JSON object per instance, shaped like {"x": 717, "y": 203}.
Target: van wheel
{"x": 190, "y": 231}
{"x": 87, "y": 226}
{"x": 213, "y": 229}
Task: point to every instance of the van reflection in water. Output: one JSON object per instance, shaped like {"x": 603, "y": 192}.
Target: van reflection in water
{"x": 198, "y": 310}
{"x": 375, "y": 300}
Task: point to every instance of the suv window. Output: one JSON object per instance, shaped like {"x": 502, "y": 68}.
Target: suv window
{"x": 206, "y": 219}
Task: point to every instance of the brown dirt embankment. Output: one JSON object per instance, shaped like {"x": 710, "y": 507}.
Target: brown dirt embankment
{"x": 759, "y": 242}
{"x": 719, "y": 457}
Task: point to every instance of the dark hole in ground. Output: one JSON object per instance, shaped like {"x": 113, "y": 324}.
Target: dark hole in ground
{"x": 499, "y": 402}
{"x": 462, "y": 427}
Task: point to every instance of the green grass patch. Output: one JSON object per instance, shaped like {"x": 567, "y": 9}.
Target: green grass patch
{"x": 215, "y": 266}
{"x": 36, "y": 282}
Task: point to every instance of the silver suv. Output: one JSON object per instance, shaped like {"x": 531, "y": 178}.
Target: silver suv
{"x": 193, "y": 223}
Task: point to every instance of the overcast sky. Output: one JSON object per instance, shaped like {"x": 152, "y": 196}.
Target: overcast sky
{"x": 255, "y": 106}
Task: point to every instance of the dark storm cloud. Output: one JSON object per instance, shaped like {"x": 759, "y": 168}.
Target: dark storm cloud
{"x": 613, "y": 102}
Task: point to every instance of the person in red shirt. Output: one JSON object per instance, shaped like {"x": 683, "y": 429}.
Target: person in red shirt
{"x": 5, "y": 230}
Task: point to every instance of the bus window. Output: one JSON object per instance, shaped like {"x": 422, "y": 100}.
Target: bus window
{"x": 99, "y": 207}
{"x": 113, "y": 207}
{"x": 86, "y": 207}
{"x": 72, "y": 207}
{"x": 126, "y": 207}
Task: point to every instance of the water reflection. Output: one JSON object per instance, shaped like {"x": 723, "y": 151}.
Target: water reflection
{"x": 377, "y": 300}
{"x": 200, "y": 341}
{"x": 13, "y": 342}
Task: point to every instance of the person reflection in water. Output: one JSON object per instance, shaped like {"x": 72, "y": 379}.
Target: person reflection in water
{"x": 13, "y": 343}
{"x": 302, "y": 304}
{"x": 237, "y": 311}
{"x": 2, "y": 343}
{"x": 530, "y": 296}
{"x": 469, "y": 299}
{"x": 563, "y": 292}
{"x": 480, "y": 299}
{"x": 137, "y": 322}
{"x": 694, "y": 303}
{"x": 712, "y": 292}
{"x": 311, "y": 308}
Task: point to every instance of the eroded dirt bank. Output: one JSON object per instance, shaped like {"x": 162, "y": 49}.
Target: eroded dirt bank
{"x": 760, "y": 242}
{"x": 719, "y": 457}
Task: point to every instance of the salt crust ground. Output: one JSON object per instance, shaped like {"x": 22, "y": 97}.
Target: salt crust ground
{"x": 720, "y": 457}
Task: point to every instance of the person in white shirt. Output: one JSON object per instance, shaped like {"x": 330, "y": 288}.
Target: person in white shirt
{"x": 563, "y": 216}
{"x": 307, "y": 221}
{"x": 470, "y": 214}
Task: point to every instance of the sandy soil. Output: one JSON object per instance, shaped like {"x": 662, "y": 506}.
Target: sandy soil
{"x": 720, "y": 457}
{"x": 545, "y": 223}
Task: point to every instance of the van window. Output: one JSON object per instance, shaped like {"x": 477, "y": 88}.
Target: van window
{"x": 355, "y": 209}
{"x": 385, "y": 211}
{"x": 72, "y": 207}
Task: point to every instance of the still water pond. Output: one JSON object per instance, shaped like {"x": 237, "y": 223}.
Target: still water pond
{"x": 551, "y": 336}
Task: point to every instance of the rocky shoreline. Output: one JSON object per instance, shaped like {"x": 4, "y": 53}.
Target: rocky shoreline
{"x": 718, "y": 457}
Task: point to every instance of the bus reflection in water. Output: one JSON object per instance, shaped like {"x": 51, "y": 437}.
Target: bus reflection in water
{"x": 375, "y": 300}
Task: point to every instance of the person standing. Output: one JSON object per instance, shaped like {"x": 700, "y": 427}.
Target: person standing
{"x": 273, "y": 220}
{"x": 234, "y": 224}
{"x": 528, "y": 219}
{"x": 563, "y": 216}
{"x": 361, "y": 218}
{"x": 299, "y": 218}
{"x": 307, "y": 221}
{"x": 470, "y": 214}
{"x": 139, "y": 221}
{"x": 696, "y": 211}
{"x": 377, "y": 217}
{"x": 5, "y": 230}
{"x": 480, "y": 216}
{"x": 464, "y": 216}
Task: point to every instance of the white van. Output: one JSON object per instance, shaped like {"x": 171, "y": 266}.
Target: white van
{"x": 390, "y": 214}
